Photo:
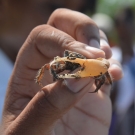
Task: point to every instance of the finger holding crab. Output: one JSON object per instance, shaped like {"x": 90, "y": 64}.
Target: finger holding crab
{"x": 84, "y": 30}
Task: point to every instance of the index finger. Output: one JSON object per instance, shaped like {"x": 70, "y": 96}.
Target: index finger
{"x": 81, "y": 27}
{"x": 76, "y": 24}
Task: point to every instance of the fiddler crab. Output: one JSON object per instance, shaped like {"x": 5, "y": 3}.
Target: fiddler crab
{"x": 96, "y": 68}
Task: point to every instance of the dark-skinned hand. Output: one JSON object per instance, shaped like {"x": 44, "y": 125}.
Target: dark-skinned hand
{"x": 63, "y": 107}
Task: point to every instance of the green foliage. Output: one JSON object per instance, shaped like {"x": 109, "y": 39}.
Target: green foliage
{"x": 110, "y": 7}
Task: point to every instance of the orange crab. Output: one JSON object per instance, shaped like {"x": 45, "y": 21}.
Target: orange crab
{"x": 96, "y": 68}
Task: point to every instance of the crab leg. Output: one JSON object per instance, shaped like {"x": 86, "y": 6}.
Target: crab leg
{"x": 108, "y": 77}
{"x": 40, "y": 73}
{"x": 99, "y": 82}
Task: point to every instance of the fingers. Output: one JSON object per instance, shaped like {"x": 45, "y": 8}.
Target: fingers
{"x": 81, "y": 28}
{"x": 47, "y": 106}
{"x": 46, "y": 39}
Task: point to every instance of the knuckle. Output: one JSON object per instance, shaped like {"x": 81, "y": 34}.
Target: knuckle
{"x": 56, "y": 11}
{"x": 39, "y": 29}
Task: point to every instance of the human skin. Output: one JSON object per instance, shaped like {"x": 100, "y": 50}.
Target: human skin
{"x": 61, "y": 107}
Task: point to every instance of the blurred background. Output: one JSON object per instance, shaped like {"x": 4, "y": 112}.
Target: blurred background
{"x": 115, "y": 17}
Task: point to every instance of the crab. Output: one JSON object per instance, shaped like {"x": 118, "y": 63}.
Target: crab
{"x": 72, "y": 61}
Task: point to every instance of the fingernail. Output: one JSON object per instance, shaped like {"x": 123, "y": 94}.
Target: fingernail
{"x": 105, "y": 46}
{"x": 94, "y": 43}
{"x": 103, "y": 42}
{"x": 115, "y": 66}
{"x": 75, "y": 85}
{"x": 95, "y": 51}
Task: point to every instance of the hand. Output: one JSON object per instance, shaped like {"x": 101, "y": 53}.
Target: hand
{"x": 61, "y": 107}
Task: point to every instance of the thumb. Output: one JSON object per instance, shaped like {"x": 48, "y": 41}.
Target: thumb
{"x": 49, "y": 105}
